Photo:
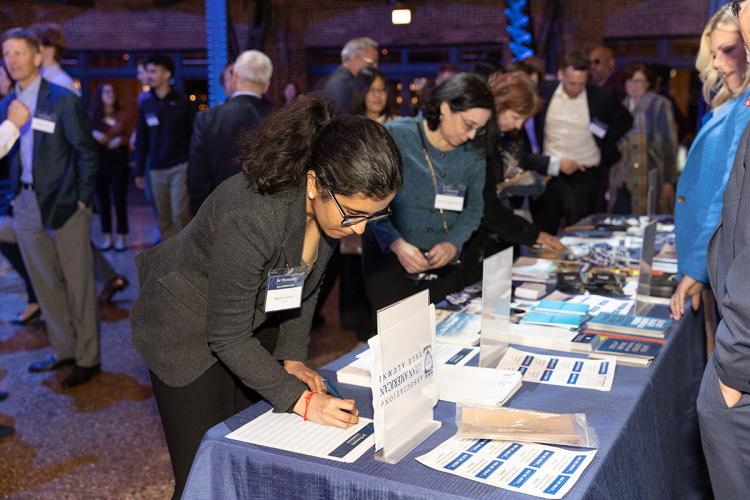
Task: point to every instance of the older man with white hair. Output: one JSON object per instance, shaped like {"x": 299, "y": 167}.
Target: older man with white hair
{"x": 358, "y": 53}
{"x": 213, "y": 148}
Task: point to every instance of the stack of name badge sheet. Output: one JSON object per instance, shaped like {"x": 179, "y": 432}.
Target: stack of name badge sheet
{"x": 532, "y": 469}
{"x": 358, "y": 371}
{"x": 477, "y": 386}
{"x": 559, "y": 370}
{"x": 290, "y": 432}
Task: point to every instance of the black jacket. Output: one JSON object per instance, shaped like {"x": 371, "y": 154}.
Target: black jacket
{"x": 498, "y": 219}
{"x": 203, "y": 292}
{"x": 604, "y": 107}
{"x": 214, "y": 146}
{"x": 65, "y": 161}
{"x": 163, "y": 145}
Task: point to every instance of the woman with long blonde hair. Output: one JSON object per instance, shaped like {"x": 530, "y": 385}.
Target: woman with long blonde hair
{"x": 723, "y": 69}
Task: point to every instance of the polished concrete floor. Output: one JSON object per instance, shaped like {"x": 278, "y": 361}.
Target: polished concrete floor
{"x": 102, "y": 439}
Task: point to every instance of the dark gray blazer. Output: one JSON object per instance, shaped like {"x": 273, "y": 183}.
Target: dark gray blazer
{"x": 729, "y": 273}
{"x": 65, "y": 162}
{"x": 203, "y": 292}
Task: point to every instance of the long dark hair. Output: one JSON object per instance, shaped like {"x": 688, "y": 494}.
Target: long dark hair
{"x": 97, "y": 107}
{"x": 461, "y": 91}
{"x": 349, "y": 154}
{"x": 365, "y": 78}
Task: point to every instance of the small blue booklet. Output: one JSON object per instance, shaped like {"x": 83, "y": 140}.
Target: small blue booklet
{"x": 550, "y": 319}
{"x": 562, "y": 307}
{"x": 631, "y": 348}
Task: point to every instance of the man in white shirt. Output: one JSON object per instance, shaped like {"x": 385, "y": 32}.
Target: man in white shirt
{"x": 582, "y": 123}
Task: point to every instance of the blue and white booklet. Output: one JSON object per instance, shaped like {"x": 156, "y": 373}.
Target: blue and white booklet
{"x": 459, "y": 328}
{"x": 562, "y": 307}
{"x": 645, "y": 326}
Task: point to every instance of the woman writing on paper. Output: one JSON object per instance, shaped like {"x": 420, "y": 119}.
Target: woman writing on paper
{"x": 441, "y": 204}
{"x": 225, "y": 307}
{"x": 724, "y": 71}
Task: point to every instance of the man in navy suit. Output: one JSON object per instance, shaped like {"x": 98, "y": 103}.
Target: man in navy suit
{"x": 216, "y": 132}
{"x": 52, "y": 171}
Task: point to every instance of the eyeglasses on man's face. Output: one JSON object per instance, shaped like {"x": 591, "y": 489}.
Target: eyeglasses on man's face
{"x": 352, "y": 220}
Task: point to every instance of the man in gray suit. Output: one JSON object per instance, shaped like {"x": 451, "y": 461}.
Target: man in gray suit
{"x": 53, "y": 170}
{"x": 724, "y": 397}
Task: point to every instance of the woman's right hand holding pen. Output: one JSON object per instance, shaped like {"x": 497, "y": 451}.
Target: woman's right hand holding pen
{"x": 327, "y": 410}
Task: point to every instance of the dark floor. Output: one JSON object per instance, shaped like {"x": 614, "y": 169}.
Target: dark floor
{"x": 102, "y": 439}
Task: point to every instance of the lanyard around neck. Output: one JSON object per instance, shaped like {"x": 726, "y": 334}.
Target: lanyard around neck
{"x": 432, "y": 173}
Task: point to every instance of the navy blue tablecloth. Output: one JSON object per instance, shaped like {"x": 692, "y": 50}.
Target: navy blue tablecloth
{"x": 647, "y": 429}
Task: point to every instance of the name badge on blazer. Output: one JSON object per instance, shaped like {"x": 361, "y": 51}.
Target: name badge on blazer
{"x": 43, "y": 124}
{"x": 284, "y": 289}
{"x": 599, "y": 129}
{"x": 152, "y": 120}
{"x": 450, "y": 197}
{"x": 109, "y": 121}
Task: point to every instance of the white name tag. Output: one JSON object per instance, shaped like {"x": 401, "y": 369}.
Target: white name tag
{"x": 43, "y": 125}
{"x": 598, "y": 128}
{"x": 450, "y": 198}
{"x": 109, "y": 121}
{"x": 152, "y": 121}
{"x": 285, "y": 289}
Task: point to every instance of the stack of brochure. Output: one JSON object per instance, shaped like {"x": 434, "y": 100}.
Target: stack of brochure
{"x": 556, "y": 313}
{"x": 629, "y": 324}
{"x": 459, "y": 328}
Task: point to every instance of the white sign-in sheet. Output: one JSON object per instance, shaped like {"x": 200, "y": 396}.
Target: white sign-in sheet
{"x": 289, "y": 432}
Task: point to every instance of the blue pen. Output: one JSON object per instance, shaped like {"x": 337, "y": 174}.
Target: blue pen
{"x": 332, "y": 390}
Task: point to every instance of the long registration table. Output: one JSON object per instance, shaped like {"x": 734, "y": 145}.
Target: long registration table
{"x": 647, "y": 426}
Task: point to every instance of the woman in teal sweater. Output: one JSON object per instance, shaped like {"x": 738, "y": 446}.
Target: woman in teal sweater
{"x": 724, "y": 71}
{"x": 440, "y": 204}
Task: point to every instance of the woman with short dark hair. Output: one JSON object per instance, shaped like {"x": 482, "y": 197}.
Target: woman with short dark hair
{"x": 440, "y": 205}
{"x": 225, "y": 307}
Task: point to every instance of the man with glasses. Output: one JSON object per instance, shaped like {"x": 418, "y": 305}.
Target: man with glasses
{"x": 581, "y": 123}
{"x": 724, "y": 396}
{"x": 357, "y": 54}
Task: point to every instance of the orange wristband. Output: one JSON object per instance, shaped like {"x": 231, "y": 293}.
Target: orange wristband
{"x": 307, "y": 403}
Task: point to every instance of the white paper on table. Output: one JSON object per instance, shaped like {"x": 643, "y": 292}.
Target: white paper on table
{"x": 560, "y": 370}
{"x": 288, "y": 431}
{"x": 478, "y": 386}
{"x": 601, "y": 304}
{"x": 532, "y": 469}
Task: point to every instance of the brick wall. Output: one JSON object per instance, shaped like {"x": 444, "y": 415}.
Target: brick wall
{"x": 301, "y": 24}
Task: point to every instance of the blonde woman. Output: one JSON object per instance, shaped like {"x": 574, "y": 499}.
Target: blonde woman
{"x": 724, "y": 72}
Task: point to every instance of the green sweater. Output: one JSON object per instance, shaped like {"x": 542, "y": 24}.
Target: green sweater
{"x": 414, "y": 217}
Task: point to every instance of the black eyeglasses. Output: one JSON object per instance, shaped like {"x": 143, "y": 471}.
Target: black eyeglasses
{"x": 737, "y": 7}
{"x": 353, "y": 220}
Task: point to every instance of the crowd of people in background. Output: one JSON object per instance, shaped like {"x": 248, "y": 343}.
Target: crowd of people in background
{"x": 495, "y": 157}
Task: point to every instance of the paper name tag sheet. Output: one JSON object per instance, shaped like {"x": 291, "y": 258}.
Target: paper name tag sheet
{"x": 559, "y": 370}
{"x": 289, "y": 432}
{"x": 533, "y": 469}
